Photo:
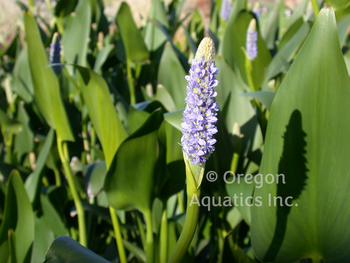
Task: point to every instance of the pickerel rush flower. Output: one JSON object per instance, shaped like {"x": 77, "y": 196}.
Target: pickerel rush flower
{"x": 55, "y": 55}
{"x": 225, "y": 9}
{"x": 257, "y": 10}
{"x": 200, "y": 113}
{"x": 252, "y": 37}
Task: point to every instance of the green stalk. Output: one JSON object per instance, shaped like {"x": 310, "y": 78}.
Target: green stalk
{"x": 63, "y": 153}
{"x": 118, "y": 235}
{"x": 180, "y": 202}
{"x": 164, "y": 236}
{"x": 130, "y": 82}
{"x": 149, "y": 237}
{"x": 141, "y": 229}
{"x": 190, "y": 224}
{"x": 315, "y": 7}
{"x": 57, "y": 177}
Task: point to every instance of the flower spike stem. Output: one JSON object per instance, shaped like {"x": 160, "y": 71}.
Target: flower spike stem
{"x": 197, "y": 139}
{"x": 63, "y": 153}
{"x": 118, "y": 235}
{"x": 190, "y": 222}
{"x": 315, "y": 7}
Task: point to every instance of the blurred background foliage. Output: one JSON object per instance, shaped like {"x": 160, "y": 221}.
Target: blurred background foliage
{"x": 89, "y": 153}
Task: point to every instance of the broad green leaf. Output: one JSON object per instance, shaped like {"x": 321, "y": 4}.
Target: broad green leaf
{"x": 163, "y": 96}
{"x": 22, "y": 82}
{"x": 95, "y": 175}
{"x": 103, "y": 115}
{"x": 172, "y": 76}
{"x": 33, "y": 182}
{"x": 343, "y": 28}
{"x": 19, "y": 217}
{"x": 24, "y": 140}
{"x": 306, "y": 142}
{"x": 228, "y": 81}
{"x": 347, "y": 60}
{"x": 51, "y": 217}
{"x": 66, "y": 250}
{"x": 338, "y": 4}
{"x": 154, "y": 37}
{"x": 8, "y": 124}
{"x": 298, "y": 12}
{"x": 75, "y": 39}
{"x": 240, "y": 189}
{"x": 292, "y": 31}
{"x": 43, "y": 239}
{"x": 133, "y": 42}
{"x": 46, "y": 87}
{"x": 228, "y": 38}
{"x": 287, "y": 53}
{"x": 132, "y": 178}
{"x": 174, "y": 118}
{"x": 101, "y": 57}
{"x": 268, "y": 32}
{"x": 265, "y": 97}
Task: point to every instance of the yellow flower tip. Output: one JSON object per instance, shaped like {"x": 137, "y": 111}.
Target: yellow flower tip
{"x": 252, "y": 25}
{"x": 205, "y": 49}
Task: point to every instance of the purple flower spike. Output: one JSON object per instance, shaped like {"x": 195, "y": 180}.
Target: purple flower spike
{"x": 225, "y": 9}
{"x": 200, "y": 113}
{"x": 252, "y": 37}
{"x": 257, "y": 10}
{"x": 55, "y": 55}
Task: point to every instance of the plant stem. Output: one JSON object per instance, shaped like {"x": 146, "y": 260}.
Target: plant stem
{"x": 63, "y": 153}
{"x": 164, "y": 236}
{"x": 315, "y": 7}
{"x": 118, "y": 235}
{"x": 180, "y": 203}
{"x": 130, "y": 82}
{"x": 141, "y": 229}
{"x": 57, "y": 177}
{"x": 149, "y": 237}
{"x": 190, "y": 225}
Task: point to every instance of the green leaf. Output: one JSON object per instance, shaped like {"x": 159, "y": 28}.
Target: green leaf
{"x": 51, "y": 217}
{"x": 306, "y": 141}
{"x": 18, "y": 216}
{"x": 133, "y": 42}
{"x": 43, "y": 239}
{"x": 132, "y": 179}
{"x": 66, "y": 250}
{"x": 22, "y": 82}
{"x": 163, "y": 96}
{"x": 290, "y": 33}
{"x": 95, "y": 174}
{"x": 103, "y": 115}
{"x": 287, "y": 53}
{"x": 265, "y": 97}
{"x": 338, "y": 4}
{"x": 8, "y": 124}
{"x": 74, "y": 41}
{"x": 343, "y": 28}
{"x": 268, "y": 31}
{"x": 101, "y": 57}
{"x": 24, "y": 140}
{"x": 235, "y": 56}
{"x": 154, "y": 36}
{"x": 46, "y": 87}
{"x": 33, "y": 182}
{"x": 174, "y": 118}
{"x": 172, "y": 76}
{"x": 298, "y": 12}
